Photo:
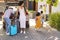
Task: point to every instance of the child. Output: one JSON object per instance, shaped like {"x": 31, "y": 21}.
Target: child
{"x": 42, "y": 17}
{"x": 38, "y": 21}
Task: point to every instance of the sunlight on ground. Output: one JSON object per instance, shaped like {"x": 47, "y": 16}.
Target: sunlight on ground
{"x": 32, "y": 22}
{"x": 56, "y": 38}
{"x": 1, "y": 24}
{"x": 46, "y": 25}
{"x": 52, "y": 37}
{"x": 1, "y": 34}
{"x": 49, "y": 37}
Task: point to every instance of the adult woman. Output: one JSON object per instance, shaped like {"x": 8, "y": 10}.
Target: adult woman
{"x": 22, "y": 17}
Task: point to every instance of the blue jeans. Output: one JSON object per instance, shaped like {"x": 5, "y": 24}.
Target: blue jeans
{"x": 8, "y": 24}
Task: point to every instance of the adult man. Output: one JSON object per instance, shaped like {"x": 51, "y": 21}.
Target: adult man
{"x": 7, "y": 20}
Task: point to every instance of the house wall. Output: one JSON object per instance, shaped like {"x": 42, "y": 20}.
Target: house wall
{"x": 56, "y": 9}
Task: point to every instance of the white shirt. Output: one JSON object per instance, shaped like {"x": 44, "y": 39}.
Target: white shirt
{"x": 8, "y": 13}
{"x": 39, "y": 10}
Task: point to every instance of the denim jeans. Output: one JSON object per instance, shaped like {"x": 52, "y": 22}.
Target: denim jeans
{"x": 8, "y": 24}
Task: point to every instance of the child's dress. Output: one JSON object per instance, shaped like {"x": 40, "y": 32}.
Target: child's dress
{"x": 38, "y": 22}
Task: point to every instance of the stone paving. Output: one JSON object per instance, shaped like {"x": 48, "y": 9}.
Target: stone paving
{"x": 31, "y": 34}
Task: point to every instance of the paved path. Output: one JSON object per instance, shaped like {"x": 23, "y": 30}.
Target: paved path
{"x": 31, "y": 34}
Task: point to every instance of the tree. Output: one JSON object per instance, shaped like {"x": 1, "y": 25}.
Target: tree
{"x": 52, "y": 3}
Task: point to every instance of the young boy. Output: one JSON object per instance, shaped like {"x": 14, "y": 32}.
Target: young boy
{"x": 42, "y": 17}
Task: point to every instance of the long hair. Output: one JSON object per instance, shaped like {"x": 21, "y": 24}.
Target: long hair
{"x": 20, "y": 3}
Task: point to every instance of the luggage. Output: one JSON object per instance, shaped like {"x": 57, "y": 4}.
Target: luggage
{"x": 13, "y": 30}
{"x": 13, "y": 27}
{"x": 27, "y": 24}
{"x": 18, "y": 25}
{"x": 27, "y": 21}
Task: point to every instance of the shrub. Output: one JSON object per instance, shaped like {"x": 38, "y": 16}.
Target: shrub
{"x": 54, "y": 20}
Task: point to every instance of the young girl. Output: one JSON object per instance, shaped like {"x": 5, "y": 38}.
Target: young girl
{"x": 38, "y": 21}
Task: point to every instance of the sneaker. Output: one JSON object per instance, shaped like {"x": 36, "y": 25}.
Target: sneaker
{"x": 24, "y": 32}
{"x": 21, "y": 31}
{"x": 7, "y": 33}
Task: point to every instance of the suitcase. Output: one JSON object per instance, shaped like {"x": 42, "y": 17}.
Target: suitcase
{"x": 27, "y": 24}
{"x": 27, "y": 21}
{"x": 13, "y": 30}
{"x": 18, "y": 25}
